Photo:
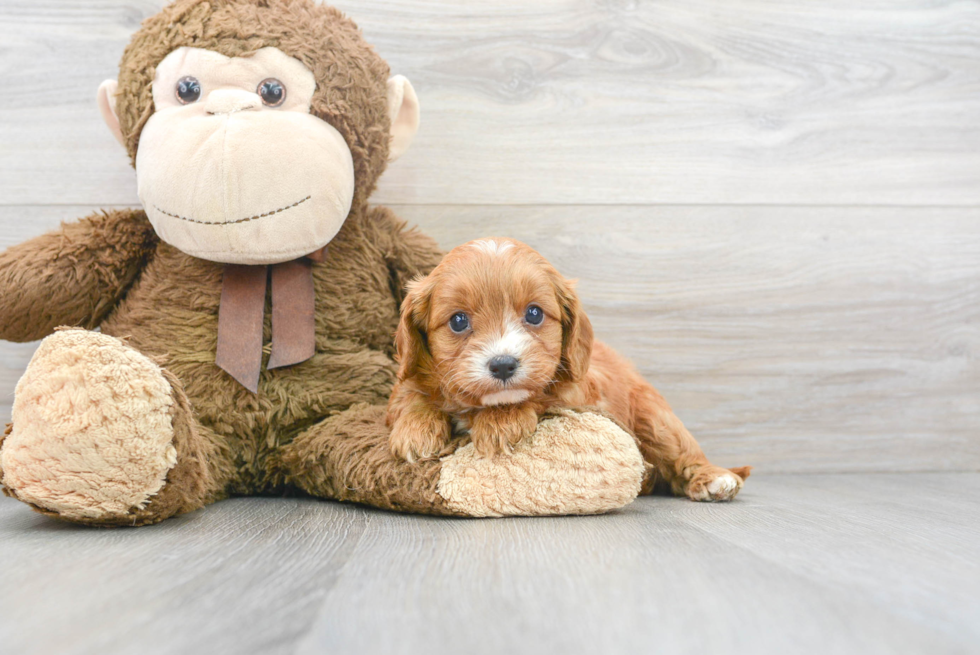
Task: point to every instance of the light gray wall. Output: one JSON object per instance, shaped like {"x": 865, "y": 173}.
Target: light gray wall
{"x": 773, "y": 207}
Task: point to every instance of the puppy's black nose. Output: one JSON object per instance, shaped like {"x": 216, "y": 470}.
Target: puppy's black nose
{"x": 503, "y": 367}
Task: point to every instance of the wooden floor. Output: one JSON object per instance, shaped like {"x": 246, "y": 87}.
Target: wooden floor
{"x": 879, "y": 563}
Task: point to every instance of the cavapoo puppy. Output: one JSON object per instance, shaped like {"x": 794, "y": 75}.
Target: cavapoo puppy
{"x": 493, "y": 337}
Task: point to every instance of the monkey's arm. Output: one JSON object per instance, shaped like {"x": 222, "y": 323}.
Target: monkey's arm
{"x": 73, "y": 275}
{"x": 409, "y": 251}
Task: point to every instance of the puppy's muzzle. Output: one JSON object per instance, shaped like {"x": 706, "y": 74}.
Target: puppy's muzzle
{"x": 503, "y": 367}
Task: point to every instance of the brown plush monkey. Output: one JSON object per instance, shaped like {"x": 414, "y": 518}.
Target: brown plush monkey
{"x": 258, "y": 129}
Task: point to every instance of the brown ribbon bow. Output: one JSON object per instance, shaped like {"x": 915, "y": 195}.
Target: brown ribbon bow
{"x": 242, "y": 314}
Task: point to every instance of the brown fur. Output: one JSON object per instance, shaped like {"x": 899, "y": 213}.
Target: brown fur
{"x": 442, "y": 376}
{"x": 347, "y": 457}
{"x": 110, "y": 271}
{"x": 72, "y": 276}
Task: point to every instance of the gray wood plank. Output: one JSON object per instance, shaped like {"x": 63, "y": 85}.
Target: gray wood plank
{"x": 777, "y": 572}
{"x": 572, "y": 101}
{"x": 790, "y": 338}
{"x": 803, "y": 564}
{"x": 246, "y": 576}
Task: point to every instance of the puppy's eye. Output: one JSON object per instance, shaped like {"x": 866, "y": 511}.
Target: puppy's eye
{"x": 272, "y": 92}
{"x": 534, "y": 315}
{"x": 188, "y": 90}
{"x": 459, "y": 322}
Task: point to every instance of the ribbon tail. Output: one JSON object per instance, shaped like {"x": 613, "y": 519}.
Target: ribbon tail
{"x": 240, "y": 318}
{"x": 293, "y": 307}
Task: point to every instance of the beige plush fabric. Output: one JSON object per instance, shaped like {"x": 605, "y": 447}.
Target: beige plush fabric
{"x": 106, "y": 98}
{"x": 575, "y": 463}
{"x": 403, "y": 109}
{"x": 93, "y": 431}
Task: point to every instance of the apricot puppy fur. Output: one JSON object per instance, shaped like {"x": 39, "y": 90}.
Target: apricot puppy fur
{"x": 493, "y": 337}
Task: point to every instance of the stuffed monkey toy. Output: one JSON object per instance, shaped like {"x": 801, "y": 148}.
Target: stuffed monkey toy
{"x": 235, "y": 335}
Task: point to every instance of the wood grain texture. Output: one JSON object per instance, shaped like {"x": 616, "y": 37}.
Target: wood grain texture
{"x": 797, "y": 564}
{"x": 791, "y": 338}
{"x": 580, "y": 101}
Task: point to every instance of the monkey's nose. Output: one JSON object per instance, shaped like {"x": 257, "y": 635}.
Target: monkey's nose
{"x": 503, "y": 367}
{"x": 227, "y": 101}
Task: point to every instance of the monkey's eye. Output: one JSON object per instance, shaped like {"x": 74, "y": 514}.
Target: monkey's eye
{"x": 272, "y": 92}
{"x": 188, "y": 90}
{"x": 459, "y": 322}
{"x": 534, "y": 315}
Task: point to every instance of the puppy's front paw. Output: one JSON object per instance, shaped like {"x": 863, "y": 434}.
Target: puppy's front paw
{"x": 419, "y": 435}
{"x": 713, "y": 484}
{"x": 497, "y": 430}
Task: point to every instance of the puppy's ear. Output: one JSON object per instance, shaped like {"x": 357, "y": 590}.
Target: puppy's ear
{"x": 410, "y": 337}
{"x": 576, "y": 345}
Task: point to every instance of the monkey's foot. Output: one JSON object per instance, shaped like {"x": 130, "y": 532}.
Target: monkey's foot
{"x": 92, "y": 438}
{"x": 574, "y": 463}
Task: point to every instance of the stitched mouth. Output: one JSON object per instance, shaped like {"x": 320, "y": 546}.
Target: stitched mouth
{"x": 240, "y": 220}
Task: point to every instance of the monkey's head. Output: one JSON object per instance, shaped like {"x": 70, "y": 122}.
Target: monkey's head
{"x": 255, "y": 125}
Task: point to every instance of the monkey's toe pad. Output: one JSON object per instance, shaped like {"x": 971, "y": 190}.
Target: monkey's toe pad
{"x": 92, "y": 428}
{"x": 574, "y": 463}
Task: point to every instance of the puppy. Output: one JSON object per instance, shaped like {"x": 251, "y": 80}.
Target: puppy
{"x": 493, "y": 337}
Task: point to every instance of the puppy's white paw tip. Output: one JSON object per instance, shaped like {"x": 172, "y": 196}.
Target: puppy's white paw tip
{"x": 723, "y": 487}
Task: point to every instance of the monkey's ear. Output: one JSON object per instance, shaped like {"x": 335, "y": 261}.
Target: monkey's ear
{"x": 403, "y": 109}
{"x": 107, "y": 107}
